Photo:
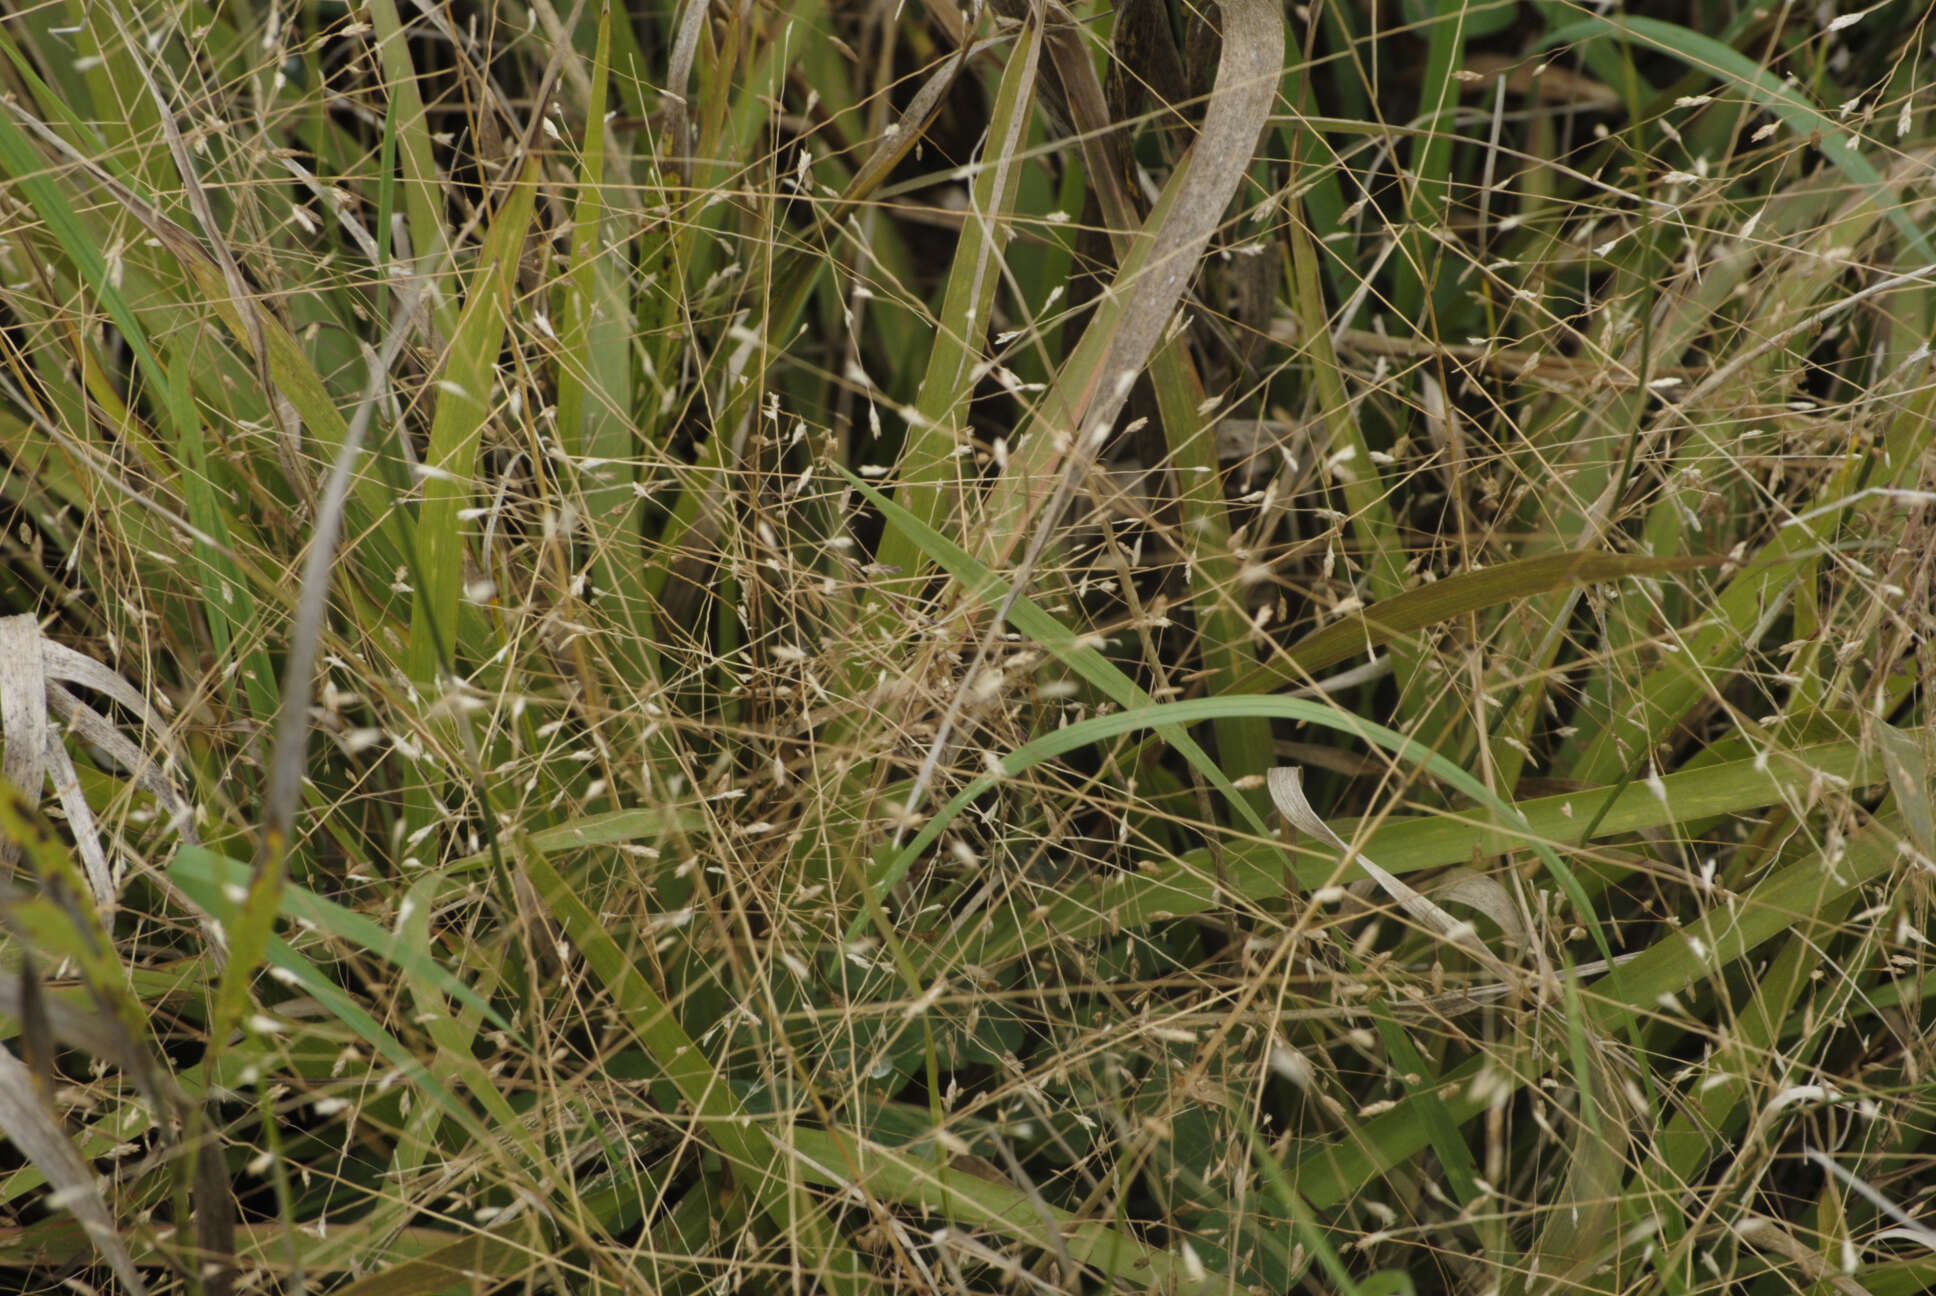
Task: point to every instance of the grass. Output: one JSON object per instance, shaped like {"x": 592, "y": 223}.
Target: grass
{"x": 646, "y": 649}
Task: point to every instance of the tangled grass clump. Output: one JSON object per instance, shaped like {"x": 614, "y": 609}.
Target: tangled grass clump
{"x": 1035, "y": 648}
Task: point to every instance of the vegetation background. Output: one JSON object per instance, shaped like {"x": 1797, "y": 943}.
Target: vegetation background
{"x": 661, "y": 649}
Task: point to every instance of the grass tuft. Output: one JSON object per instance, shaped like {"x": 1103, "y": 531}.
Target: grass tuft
{"x": 1048, "y": 647}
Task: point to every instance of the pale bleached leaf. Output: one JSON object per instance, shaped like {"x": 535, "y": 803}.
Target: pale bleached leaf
{"x": 38, "y": 1136}
{"x": 1286, "y": 784}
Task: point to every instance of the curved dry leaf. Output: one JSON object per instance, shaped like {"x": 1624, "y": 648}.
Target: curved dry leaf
{"x": 1764, "y": 1234}
{"x": 33, "y": 1130}
{"x": 70, "y": 667}
{"x": 34, "y": 751}
{"x": 685, "y": 47}
{"x": 33, "y": 672}
{"x": 1091, "y": 389}
{"x": 1238, "y": 112}
{"x": 1286, "y": 784}
{"x": 1477, "y": 891}
{"x": 98, "y": 731}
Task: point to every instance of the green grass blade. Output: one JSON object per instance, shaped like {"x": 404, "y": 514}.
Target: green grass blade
{"x": 884, "y": 1173}
{"x": 213, "y": 875}
{"x": 744, "y": 1142}
{"x": 1331, "y": 1174}
{"x": 1428, "y": 605}
{"x": 929, "y": 472}
{"x": 1051, "y": 634}
{"x": 1770, "y": 91}
{"x": 1083, "y": 732}
{"x": 1187, "y": 886}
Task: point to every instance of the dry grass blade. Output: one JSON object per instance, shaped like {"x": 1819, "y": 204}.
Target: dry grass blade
{"x": 23, "y": 716}
{"x": 25, "y": 1120}
{"x": 1091, "y": 391}
{"x": 241, "y": 298}
{"x": 1287, "y": 794}
{"x": 31, "y": 671}
{"x": 685, "y": 49}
